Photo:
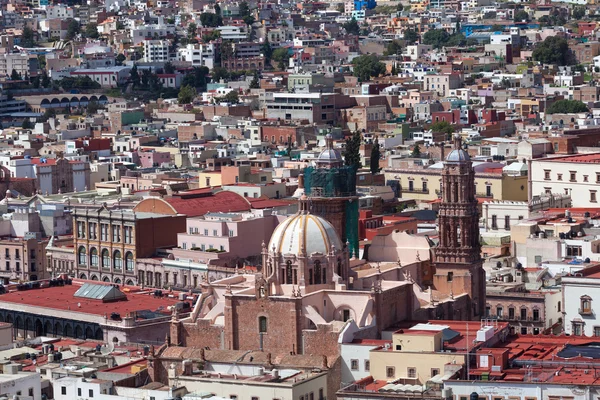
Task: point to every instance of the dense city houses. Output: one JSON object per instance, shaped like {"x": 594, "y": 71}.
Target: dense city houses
{"x": 358, "y": 199}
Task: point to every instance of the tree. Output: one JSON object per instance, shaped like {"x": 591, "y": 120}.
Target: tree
{"x": 191, "y": 30}
{"x": 553, "y": 50}
{"x": 91, "y": 31}
{"x": 227, "y": 51}
{"x": 219, "y": 73}
{"x": 198, "y": 78}
{"x": 352, "y": 27}
{"x": 411, "y": 36}
{"x": 521, "y": 16}
{"x": 367, "y": 66}
{"x": 36, "y": 82}
{"x": 73, "y": 30}
{"x": 567, "y": 107}
{"x": 134, "y": 76}
{"x": 232, "y": 97}
{"x": 15, "y": 76}
{"x": 267, "y": 50}
{"x": 497, "y": 28}
{"x": 120, "y": 59}
{"x": 249, "y": 20}
{"x": 186, "y": 94}
{"x": 27, "y": 37}
{"x": 436, "y": 38}
{"x": 578, "y": 12}
{"x": 416, "y": 151}
{"x": 375, "y": 157}
{"x": 244, "y": 9}
{"x": 45, "y": 80}
{"x": 352, "y": 150}
{"x": 340, "y": 8}
{"x": 255, "y": 82}
{"x": 442, "y": 126}
{"x": 93, "y": 107}
{"x": 281, "y": 55}
{"x": 169, "y": 68}
{"x": 27, "y": 124}
{"x": 214, "y": 35}
{"x": 218, "y": 9}
{"x": 210, "y": 20}
{"x": 393, "y": 48}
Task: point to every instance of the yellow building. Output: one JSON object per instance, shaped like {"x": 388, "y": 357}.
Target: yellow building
{"x": 425, "y": 184}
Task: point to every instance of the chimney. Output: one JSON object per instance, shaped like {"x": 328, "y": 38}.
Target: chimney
{"x": 443, "y": 151}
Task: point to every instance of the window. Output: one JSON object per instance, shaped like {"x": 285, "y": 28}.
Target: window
{"x": 63, "y": 390}
{"x": 354, "y": 365}
{"x": 94, "y": 257}
{"x": 254, "y": 398}
{"x": 536, "y": 315}
{"x": 572, "y": 176}
{"x": 585, "y": 178}
{"x": 262, "y": 324}
{"x": 78, "y": 391}
{"x": 206, "y": 232}
{"x": 585, "y": 305}
{"x": 82, "y": 258}
{"x": 593, "y": 196}
{"x": 105, "y": 259}
{"x": 507, "y": 222}
{"x": 597, "y": 331}
{"x": 450, "y": 276}
{"x": 547, "y": 174}
{"x": 538, "y": 259}
{"x": 91, "y": 393}
{"x": 367, "y": 365}
{"x": 559, "y": 177}
{"x": 390, "y": 372}
{"x": 574, "y": 251}
{"x": 116, "y": 233}
{"x": 577, "y": 328}
{"x": 434, "y": 372}
{"x": 412, "y": 372}
{"x": 523, "y": 313}
{"x": 499, "y": 312}
{"x": 523, "y": 330}
{"x": 117, "y": 259}
{"x": 233, "y": 396}
{"x": 494, "y": 222}
{"x": 231, "y": 233}
{"x": 129, "y": 261}
{"x": 511, "y": 313}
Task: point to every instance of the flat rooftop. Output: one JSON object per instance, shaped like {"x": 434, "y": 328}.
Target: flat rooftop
{"x": 62, "y": 298}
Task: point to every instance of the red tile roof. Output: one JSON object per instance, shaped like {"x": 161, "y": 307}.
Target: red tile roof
{"x": 593, "y": 158}
{"x": 200, "y": 203}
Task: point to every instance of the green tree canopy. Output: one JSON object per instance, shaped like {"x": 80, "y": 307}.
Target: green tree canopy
{"x": 352, "y": 150}
{"x": 120, "y": 59}
{"x": 244, "y": 9}
{"x": 232, "y": 97}
{"x": 442, "y": 126}
{"x": 15, "y": 76}
{"x": 27, "y": 37}
{"x": 72, "y": 29}
{"x": 521, "y": 16}
{"x": 91, "y": 31}
{"x": 578, "y": 12}
{"x": 367, "y": 66}
{"x": 567, "y": 107}
{"x": 210, "y": 20}
{"x": 411, "y": 36}
{"x": 416, "y": 151}
{"x": 436, "y": 37}
{"x": 134, "y": 76}
{"x": 393, "y": 48}
{"x": 192, "y": 28}
{"x": 281, "y": 55}
{"x": 255, "y": 82}
{"x": 351, "y": 27}
{"x": 197, "y": 78}
{"x": 186, "y": 94}
{"x": 553, "y": 50}
{"x": 27, "y": 124}
{"x": 375, "y": 157}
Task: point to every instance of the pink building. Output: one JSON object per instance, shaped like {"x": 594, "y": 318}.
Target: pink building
{"x": 239, "y": 234}
{"x": 149, "y": 159}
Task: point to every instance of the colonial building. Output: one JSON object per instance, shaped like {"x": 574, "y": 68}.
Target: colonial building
{"x": 107, "y": 242}
{"x": 61, "y": 175}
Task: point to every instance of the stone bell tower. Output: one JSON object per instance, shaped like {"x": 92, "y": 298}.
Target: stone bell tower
{"x": 458, "y": 263}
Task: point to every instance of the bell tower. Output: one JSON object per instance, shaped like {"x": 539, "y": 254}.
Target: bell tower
{"x": 458, "y": 263}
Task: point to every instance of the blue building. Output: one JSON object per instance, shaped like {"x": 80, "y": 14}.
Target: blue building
{"x": 364, "y": 4}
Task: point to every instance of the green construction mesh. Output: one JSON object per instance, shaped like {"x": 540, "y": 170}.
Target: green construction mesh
{"x": 352, "y": 227}
{"x": 334, "y": 182}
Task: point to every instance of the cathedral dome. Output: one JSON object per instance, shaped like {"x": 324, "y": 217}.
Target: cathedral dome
{"x": 458, "y": 155}
{"x": 304, "y": 233}
{"x": 329, "y": 156}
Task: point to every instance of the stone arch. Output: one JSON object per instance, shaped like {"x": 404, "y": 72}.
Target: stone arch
{"x": 103, "y": 99}
{"x": 94, "y": 257}
{"x": 79, "y": 331}
{"x": 54, "y": 102}
{"x": 99, "y": 335}
{"x": 33, "y": 278}
{"x": 106, "y": 279}
{"x": 129, "y": 282}
{"x": 68, "y": 330}
{"x": 129, "y": 262}
{"x": 48, "y": 328}
{"x": 83, "y": 100}
{"x": 9, "y": 319}
{"x": 65, "y": 102}
{"x": 28, "y": 324}
{"x": 82, "y": 255}
{"x": 94, "y": 277}
{"x": 58, "y": 328}
{"x": 117, "y": 259}
{"x": 38, "y": 327}
{"x": 344, "y": 312}
{"x": 45, "y": 103}
{"x": 1, "y": 317}
{"x": 74, "y": 102}
{"x": 82, "y": 276}
{"x": 94, "y": 98}
{"x": 89, "y": 333}
{"x": 118, "y": 281}
{"x": 105, "y": 258}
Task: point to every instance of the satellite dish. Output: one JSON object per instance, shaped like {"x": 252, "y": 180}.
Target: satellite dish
{"x": 107, "y": 349}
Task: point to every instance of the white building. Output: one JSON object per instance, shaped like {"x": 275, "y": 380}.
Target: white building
{"x": 233, "y": 32}
{"x": 581, "y": 296}
{"x": 15, "y": 383}
{"x": 106, "y": 77}
{"x": 356, "y": 364}
{"x": 158, "y": 31}
{"x": 156, "y": 50}
{"x": 71, "y": 387}
{"x": 198, "y": 54}
{"x": 576, "y": 175}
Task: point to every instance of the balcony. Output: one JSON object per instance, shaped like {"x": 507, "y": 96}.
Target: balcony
{"x": 585, "y": 311}
{"x": 484, "y": 194}
{"x": 414, "y": 190}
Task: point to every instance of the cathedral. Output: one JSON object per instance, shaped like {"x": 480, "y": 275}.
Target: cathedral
{"x": 307, "y": 297}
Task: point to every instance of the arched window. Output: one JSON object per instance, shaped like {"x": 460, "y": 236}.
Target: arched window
{"x": 558, "y": 306}
{"x": 118, "y": 260}
{"x": 94, "y": 257}
{"x": 82, "y": 256}
{"x": 129, "y": 261}
{"x": 262, "y": 324}
{"x": 339, "y": 267}
{"x": 317, "y": 272}
{"x": 105, "y": 259}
